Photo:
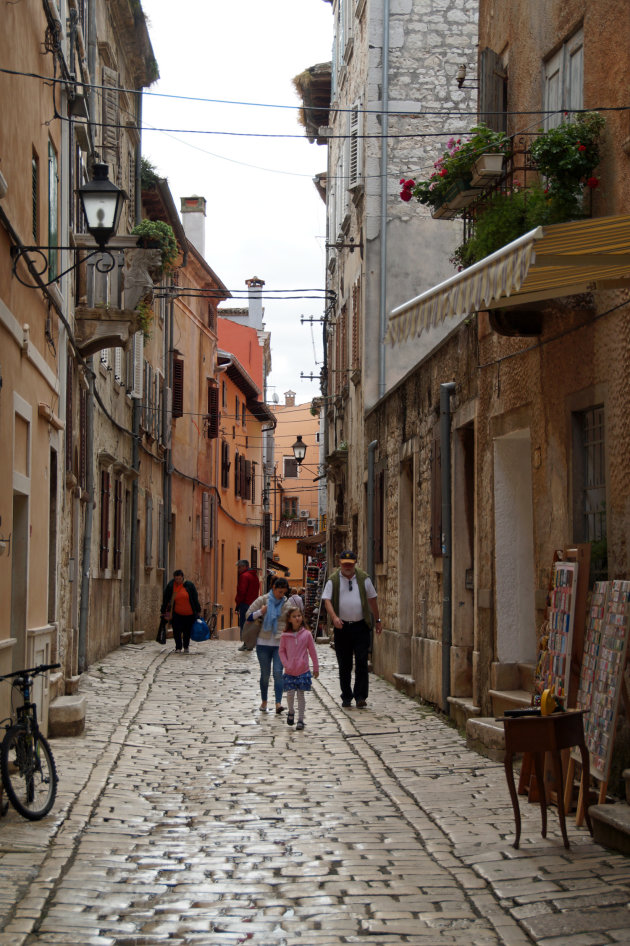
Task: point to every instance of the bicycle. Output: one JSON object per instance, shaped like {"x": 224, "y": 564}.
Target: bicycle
{"x": 27, "y": 766}
{"x": 212, "y": 620}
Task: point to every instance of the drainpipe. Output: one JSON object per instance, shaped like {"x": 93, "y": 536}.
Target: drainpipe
{"x": 446, "y": 391}
{"x": 168, "y": 437}
{"x": 135, "y": 465}
{"x": 87, "y": 526}
{"x": 370, "y": 508}
{"x": 384, "y": 133}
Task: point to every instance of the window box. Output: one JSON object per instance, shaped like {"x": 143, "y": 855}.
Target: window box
{"x": 486, "y": 169}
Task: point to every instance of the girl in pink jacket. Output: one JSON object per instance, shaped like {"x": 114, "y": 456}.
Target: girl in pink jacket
{"x": 296, "y": 644}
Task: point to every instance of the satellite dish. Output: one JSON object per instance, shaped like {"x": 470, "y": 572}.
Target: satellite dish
{"x": 275, "y": 398}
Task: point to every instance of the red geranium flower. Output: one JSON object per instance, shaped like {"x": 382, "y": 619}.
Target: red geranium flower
{"x": 592, "y": 182}
{"x": 581, "y": 147}
{"x": 405, "y": 195}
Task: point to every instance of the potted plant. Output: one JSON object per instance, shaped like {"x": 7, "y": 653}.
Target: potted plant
{"x": 568, "y": 155}
{"x": 450, "y": 186}
{"x": 158, "y": 234}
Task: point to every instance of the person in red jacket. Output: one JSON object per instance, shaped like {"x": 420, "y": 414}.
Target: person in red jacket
{"x": 247, "y": 590}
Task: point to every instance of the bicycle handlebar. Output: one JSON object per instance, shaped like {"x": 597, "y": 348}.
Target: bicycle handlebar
{"x": 32, "y": 671}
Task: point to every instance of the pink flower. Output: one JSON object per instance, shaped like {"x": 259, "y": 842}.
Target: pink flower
{"x": 592, "y": 182}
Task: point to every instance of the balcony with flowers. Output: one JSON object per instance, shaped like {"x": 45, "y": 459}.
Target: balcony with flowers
{"x": 503, "y": 188}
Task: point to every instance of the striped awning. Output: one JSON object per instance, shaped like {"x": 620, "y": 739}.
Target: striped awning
{"x": 546, "y": 263}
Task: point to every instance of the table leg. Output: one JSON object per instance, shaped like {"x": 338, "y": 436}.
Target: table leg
{"x": 509, "y": 775}
{"x": 540, "y": 778}
{"x": 557, "y": 771}
{"x": 584, "y": 785}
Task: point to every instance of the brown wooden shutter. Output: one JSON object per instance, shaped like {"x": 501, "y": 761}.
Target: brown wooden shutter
{"x": 244, "y": 480}
{"x": 118, "y": 491}
{"x": 104, "y": 550}
{"x": 237, "y": 475}
{"x": 247, "y": 492}
{"x": 178, "y": 388}
{"x": 83, "y": 396}
{"x": 436, "y": 498}
{"x": 492, "y": 91}
{"x": 213, "y": 412}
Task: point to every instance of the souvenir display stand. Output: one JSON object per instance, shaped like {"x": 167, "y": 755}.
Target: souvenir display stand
{"x": 602, "y": 681}
{"x": 315, "y": 581}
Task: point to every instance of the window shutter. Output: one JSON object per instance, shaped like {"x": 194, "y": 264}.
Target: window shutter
{"x": 118, "y": 365}
{"x": 379, "y": 506}
{"x": 104, "y": 550}
{"x": 83, "y": 396}
{"x": 138, "y": 360}
{"x": 253, "y": 556}
{"x": 118, "y": 489}
{"x": 111, "y": 119}
{"x": 436, "y": 498}
{"x": 178, "y": 388}
{"x": 244, "y": 491}
{"x": 492, "y": 91}
{"x": 213, "y": 412}
{"x": 247, "y": 492}
{"x": 237, "y": 475}
{"x": 253, "y": 484}
{"x": 355, "y": 162}
{"x": 205, "y": 520}
{"x": 69, "y": 409}
{"x": 148, "y": 532}
{"x": 267, "y": 531}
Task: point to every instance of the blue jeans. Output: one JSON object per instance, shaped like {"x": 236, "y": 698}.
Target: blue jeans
{"x": 268, "y": 657}
{"x": 241, "y": 610}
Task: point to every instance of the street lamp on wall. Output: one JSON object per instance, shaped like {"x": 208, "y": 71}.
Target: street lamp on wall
{"x": 299, "y": 450}
{"x": 102, "y": 203}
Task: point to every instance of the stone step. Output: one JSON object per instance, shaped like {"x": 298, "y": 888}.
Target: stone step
{"x": 486, "y": 736}
{"x": 611, "y": 826}
{"x": 66, "y": 716}
{"x": 503, "y": 700}
{"x": 461, "y": 709}
{"x": 405, "y": 683}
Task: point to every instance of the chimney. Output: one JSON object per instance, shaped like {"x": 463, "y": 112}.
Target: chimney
{"x": 194, "y": 221}
{"x": 289, "y": 398}
{"x": 255, "y": 319}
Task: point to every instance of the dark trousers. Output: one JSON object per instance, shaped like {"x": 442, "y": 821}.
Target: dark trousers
{"x": 182, "y": 626}
{"x": 352, "y": 643}
{"x": 241, "y": 610}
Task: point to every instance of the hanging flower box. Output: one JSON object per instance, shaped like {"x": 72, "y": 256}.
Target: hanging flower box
{"x": 459, "y": 195}
{"x": 443, "y": 212}
{"x": 486, "y": 168}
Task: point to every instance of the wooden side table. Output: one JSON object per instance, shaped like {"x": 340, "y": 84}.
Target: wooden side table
{"x": 537, "y": 735}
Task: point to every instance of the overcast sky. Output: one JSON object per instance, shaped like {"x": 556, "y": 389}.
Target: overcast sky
{"x": 264, "y": 216}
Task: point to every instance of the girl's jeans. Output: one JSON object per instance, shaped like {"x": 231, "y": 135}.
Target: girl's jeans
{"x": 269, "y": 657}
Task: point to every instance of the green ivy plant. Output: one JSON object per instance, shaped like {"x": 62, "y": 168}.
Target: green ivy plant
{"x": 162, "y": 234}
{"x": 144, "y": 312}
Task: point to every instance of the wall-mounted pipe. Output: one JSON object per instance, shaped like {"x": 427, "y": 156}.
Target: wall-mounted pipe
{"x": 446, "y": 391}
{"x": 384, "y": 179}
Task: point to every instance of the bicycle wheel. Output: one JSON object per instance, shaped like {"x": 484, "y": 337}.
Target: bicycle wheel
{"x": 212, "y": 625}
{"x": 28, "y": 773}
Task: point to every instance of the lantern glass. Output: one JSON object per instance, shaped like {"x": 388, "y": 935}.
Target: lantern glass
{"x": 102, "y": 204}
{"x": 299, "y": 449}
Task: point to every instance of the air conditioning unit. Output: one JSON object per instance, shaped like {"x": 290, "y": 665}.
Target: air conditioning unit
{"x": 303, "y": 513}
{"x": 312, "y": 523}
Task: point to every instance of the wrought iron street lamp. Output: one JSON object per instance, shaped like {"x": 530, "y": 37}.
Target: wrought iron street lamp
{"x": 102, "y": 202}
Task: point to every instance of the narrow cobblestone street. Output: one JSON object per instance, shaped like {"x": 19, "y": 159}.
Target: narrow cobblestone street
{"x": 186, "y": 816}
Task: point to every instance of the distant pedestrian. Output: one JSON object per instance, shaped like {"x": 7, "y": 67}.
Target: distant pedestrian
{"x": 247, "y": 590}
{"x": 180, "y": 605}
{"x": 351, "y": 602}
{"x": 296, "y": 644}
{"x": 270, "y": 611}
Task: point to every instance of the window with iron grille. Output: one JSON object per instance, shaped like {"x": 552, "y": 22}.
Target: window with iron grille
{"x": 104, "y": 536}
{"x": 290, "y": 467}
{"x": 589, "y": 486}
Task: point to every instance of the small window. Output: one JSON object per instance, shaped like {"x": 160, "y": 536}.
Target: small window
{"x": 224, "y": 402}
{"x": 290, "y": 507}
{"x": 290, "y": 467}
{"x": 237, "y": 409}
{"x": 213, "y": 411}
{"x": 589, "y": 487}
{"x": 104, "y": 531}
{"x": 564, "y": 81}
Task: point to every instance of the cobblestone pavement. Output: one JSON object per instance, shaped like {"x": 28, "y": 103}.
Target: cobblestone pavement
{"x": 186, "y": 816}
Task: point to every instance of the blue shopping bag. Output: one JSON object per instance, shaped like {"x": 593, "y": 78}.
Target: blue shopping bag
{"x": 200, "y": 631}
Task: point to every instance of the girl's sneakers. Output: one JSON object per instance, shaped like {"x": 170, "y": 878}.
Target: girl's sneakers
{"x": 300, "y": 724}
